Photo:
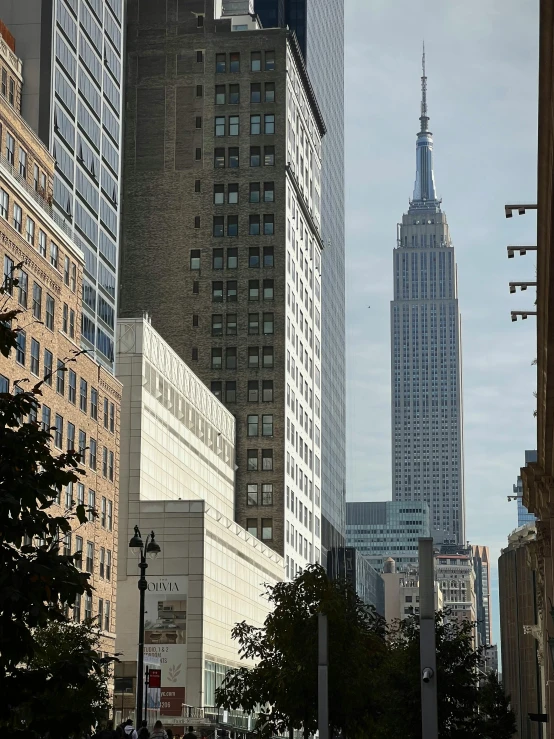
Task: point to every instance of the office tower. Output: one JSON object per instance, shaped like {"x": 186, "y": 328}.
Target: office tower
{"x": 319, "y": 27}
{"x": 79, "y": 399}
{"x": 402, "y": 592}
{"x": 388, "y": 529}
{"x": 347, "y": 563}
{"x": 523, "y": 515}
{"x": 455, "y": 574}
{"x": 72, "y": 98}
{"x": 481, "y": 566}
{"x": 222, "y": 245}
{"x": 427, "y": 443}
{"x": 271, "y": 12}
{"x": 177, "y": 478}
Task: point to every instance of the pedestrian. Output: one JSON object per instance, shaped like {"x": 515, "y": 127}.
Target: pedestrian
{"x": 169, "y": 733}
{"x": 106, "y": 733}
{"x": 143, "y": 732}
{"x": 190, "y": 734}
{"x": 128, "y": 730}
{"x": 159, "y": 732}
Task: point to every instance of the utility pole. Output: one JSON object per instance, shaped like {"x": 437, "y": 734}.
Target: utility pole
{"x": 322, "y": 677}
{"x": 427, "y": 650}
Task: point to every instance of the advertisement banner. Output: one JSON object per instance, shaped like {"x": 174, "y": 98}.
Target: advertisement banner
{"x": 165, "y": 636}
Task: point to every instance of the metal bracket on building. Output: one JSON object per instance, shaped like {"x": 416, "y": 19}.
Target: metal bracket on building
{"x": 521, "y": 249}
{"x": 523, "y": 313}
{"x": 508, "y": 209}
{"x": 522, "y": 286}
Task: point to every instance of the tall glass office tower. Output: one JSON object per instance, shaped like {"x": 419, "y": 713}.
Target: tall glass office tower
{"x": 427, "y": 431}
{"x": 71, "y": 51}
{"x": 319, "y": 26}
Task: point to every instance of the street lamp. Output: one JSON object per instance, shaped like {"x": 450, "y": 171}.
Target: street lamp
{"x": 150, "y": 549}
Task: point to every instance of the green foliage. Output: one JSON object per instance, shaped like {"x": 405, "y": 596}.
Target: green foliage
{"x": 282, "y": 688}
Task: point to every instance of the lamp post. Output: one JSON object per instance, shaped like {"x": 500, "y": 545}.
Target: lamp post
{"x": 149, "y": 549}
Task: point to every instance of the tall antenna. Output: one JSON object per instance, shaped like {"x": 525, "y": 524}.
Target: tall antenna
{"x": 424, "y": 118}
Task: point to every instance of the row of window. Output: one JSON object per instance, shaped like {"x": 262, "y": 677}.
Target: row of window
{"x": 104, "y": 611}
{"x": 258, "y": 225}
{"x": 39, "y": 176}
{"x": 262, "y": 496}
{"x": 256, "y": 258}
{"x": 260, "y": 528}
{"x": 230, "y": 157}
{"x": 258, "y": 357}
{"x": 267, "y": 324}
{"x": 105, "y": 517}
{"x": 8, "y": 91}
{"x": 259, "y": 192}
{"x": 231, "y": 292}
{"x": 253, "y": 425}
{"x": 255, "y": 395}
{"x": 231, "y": 62}
{"x": 230, "y": 125}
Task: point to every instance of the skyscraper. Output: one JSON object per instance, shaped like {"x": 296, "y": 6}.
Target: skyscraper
{"x": 319, "y": 27}
{"x": 523, "y": 515}
{"x": 427, "y": 434}
{"x": 72, "y": 97}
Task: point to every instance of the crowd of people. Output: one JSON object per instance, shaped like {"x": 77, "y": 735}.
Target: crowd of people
{"x": 126, "y": 730}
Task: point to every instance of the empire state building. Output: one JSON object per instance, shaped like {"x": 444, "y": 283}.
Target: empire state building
{"x": 427, "y": 423}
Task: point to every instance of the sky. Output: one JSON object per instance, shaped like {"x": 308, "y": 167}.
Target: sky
{"x": 482, "y": 69}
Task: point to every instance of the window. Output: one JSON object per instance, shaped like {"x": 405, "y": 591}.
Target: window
{"x": 252, "y": 457}
{"x": 255, "y": 125}
{"x": 268, "y": 323}
{"x": 4, "y": 203}
{"x": 20, "y": 349}
{"x": 197, "y": 186}
{"x": 195, "y": 320}
{"x": 111, "y": 466}
{"x": 270, "y": 92}
{"x": 230, "y": 357}
{"x": 10, "y": 148}
{"x": 253, "y": 357}
{"x": 72, "y": 384}
{"x": 256, "y": 93}
{"x": 60, "y": 378}
{"x": 268, "y": 256}
{"x": 109, "y": 565}
{"x": 22, "y": 163}
{"x": 195, "y": 259}
{"x": 48, "y": 367}
{"x": 256, "y": 61}
{"x": 254, "y": 225}
{"x": 23, "y": 288}
{"x": 102, "y": 562}
{"x": 91, "y": 505}
{"x": 219, "y": 194}
{"x": 107, "y": 602}
{"x": 12, "y": 91}
{"x": 94, "y": 403}
{"x": 254, "y": 257}
{"x": 110, "y": 515}
{"x": 267, "y": 460}
{"x": 267, "y": 357}
{"x": 232, "y": 291}
{"x": 58, "y": 433}
{"x": 112, "y": 418}
{"x": 220, "y": 94}
{"x": 90, "y": 557}
{"x": 233, "y": 157}
{"x": 267, "y": 494}
{"x": 234, "y": 59}
{"x": 220, "y": 63}
{"x": 217, "y": 292}
{"x": 216, "y": 358}
{"x": 83, "y": 395}
{"x": 269, "y": 156}
{"x": 105, "y": 413}
{"x": 92, "y": 454}
{"x": 269, "y": 61}
{"x": 232, "y": 257}
{"x": 234, "y": 94}
{"x": 254, "y": 192}
{"x": 269, "y": 123}
{"x": 234, "y": 125}
{"x": 218, "y": 226}
{"x": 17, "y": 217}
{"x": 269, "y": 192}
{"x": 267, "y": 425}
{"x": 199, "y": 24}
{"x": 216, "y": 388}
{"x": 253, "y": 290}
{"x": 253, "y": 323}
{"x": 70, "y": 437}
{"x": 196, "y": 221}
{"x": 232, "y": 225}
{"x": 231, "y": 392}
{"x": 253, "y": 391}
{"x": 67, "y": 545}
{"x": 79, "y": 551}
{"x": 255, "y": 156}
{"x": 231, "y": 324}
{"x": 30, "y": 234}
{"x": 252, "y": 424}
{"x": 37, "y": 301}
{"x": 252, "y": 526}
{"x": 35, "y": 357}
{"x": 4, "y": 82}
{"x": 219, "y": 126}
{"x": 104, "y": 466}
{"x": 200, "y": 57}
{"x": 46, "y": 418}
{"x": 50, "y": 312}
{"x": 252, "y": 494}
{"x": 42, "y": 243}
{"x": 217, "y": 324}
{"x": 54, "y": 255}
{"x": 77, "y": 608}
{"x": 267, "y": 529}
{"x": 200, "y": 91}
{"x": 269, "y": 225}
{"x": 217, "y": 259}
{"x": 268, "y": 289}
{"x": 219, "y": 158}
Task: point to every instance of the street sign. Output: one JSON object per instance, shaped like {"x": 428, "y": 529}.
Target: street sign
{"x": 155, "y": 678}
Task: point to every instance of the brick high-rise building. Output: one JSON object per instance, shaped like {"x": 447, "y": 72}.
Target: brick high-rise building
{"x": 80, "y": 405}
{"x": 222, "y": 244}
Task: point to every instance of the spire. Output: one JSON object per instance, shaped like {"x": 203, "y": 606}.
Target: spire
{"x": 424, "y": 189}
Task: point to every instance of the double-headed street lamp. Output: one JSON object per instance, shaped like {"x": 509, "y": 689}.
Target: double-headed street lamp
{"x": 150, "y": 549}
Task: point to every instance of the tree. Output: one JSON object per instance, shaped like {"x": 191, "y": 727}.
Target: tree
{"x": 282, "y": 688}
{"x": 496, "y": 719}
{"x": 464, "y": 709}
{"x": 36, "y": 579}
